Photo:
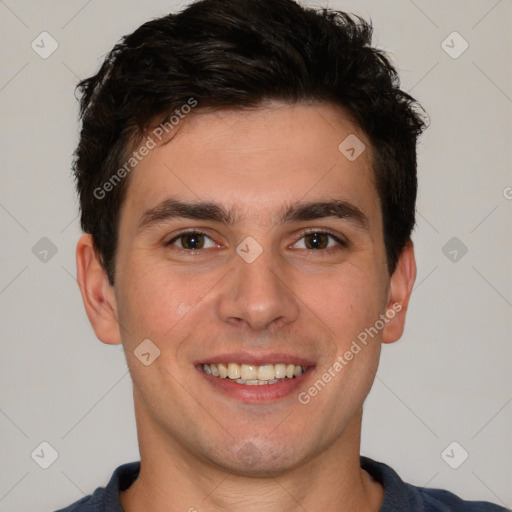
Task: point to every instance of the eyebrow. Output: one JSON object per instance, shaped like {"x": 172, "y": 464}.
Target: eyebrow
{"x": 302, "y": 211}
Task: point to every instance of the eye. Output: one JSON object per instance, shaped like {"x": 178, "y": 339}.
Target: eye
{"x": 192, "y": 240}
{"x": 315, "y": 240}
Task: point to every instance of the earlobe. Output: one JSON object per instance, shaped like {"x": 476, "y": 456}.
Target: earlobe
{"x": 97, "y": 294}
{"x": 400, "y": 289}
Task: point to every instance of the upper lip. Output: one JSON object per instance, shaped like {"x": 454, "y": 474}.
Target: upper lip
{"x": 256, "y": 359}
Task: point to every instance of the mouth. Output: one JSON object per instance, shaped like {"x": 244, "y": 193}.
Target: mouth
{"x": 256, "y": 379}
{"x": 254, "y": 375}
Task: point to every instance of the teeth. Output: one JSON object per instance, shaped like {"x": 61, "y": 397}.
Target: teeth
{"x": 223, "y": 370}
{"x": 252, "y": 375}
{"x": 256, "y": 382}
{"x": 233, "y": 370}
{"x": 267, "y": 372}
{"x": 280, "y": 371}
{"x": 248, "y": 382}
{"x": 249, "y": 372}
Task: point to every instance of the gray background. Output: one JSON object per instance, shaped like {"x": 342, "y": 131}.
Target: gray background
{"x": 449, "y": 378}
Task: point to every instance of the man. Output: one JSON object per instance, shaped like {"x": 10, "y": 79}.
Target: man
{"x": 247, "y": 182}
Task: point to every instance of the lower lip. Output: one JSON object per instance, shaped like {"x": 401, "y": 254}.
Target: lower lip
{"x": 258, "y": 393}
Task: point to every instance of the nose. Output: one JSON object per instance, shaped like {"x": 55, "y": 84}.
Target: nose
{"x": 258, "y": 295}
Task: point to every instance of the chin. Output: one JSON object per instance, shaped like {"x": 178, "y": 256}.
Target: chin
{"x": 258, "y": 457}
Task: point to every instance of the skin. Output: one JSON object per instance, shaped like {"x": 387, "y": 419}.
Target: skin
{"x": 310, "y": 303}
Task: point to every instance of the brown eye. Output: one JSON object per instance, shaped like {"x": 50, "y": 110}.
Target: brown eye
{"x": 317, "y": 240}
{"x": 192, "y": 241}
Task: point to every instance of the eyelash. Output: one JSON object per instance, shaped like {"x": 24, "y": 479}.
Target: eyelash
{"x": 342, "y": 244}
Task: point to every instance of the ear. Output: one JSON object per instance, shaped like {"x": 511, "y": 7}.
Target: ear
{"x": 400, "y": 289}
{"x": 97, "y": 294}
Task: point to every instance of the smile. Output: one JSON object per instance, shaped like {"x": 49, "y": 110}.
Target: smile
{"x": 252, "y": 375}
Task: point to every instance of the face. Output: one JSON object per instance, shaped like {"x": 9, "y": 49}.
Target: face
{"x": 251, "y": 245}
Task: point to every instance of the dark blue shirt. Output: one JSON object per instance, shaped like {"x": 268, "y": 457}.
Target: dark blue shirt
{"x": 398, "y": 495}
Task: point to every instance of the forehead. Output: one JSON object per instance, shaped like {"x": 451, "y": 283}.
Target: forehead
{"x": 254, "y": 161}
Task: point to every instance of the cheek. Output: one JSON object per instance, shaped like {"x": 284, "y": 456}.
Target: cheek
{"x": 347, "y": 301}
{"x": 157, "y": 303}
{"x": 148, "y": 300}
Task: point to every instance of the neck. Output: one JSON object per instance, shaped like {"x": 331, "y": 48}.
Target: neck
{"x": 173, "y": 479}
